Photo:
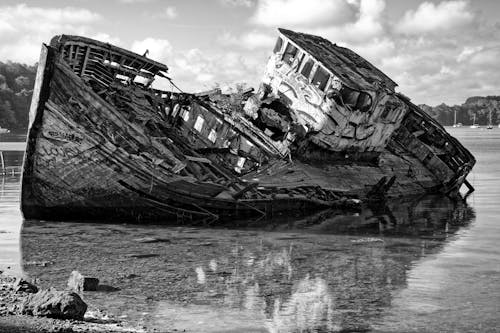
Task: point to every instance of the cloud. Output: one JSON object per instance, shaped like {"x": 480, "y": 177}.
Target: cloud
{"x": 158, "y": 49}
{"x": 303, "y": 13}
{"x": 250, "y": 40}
{"x": 429, "y": 17}
{"x": 485, "y": 58}
{"x": 196, "y": 70}
{"x": 237, "y": 3}
{"x": 467, "y": 52}
{"x": 169, "y": 12}
{"x": 367, "y": 26}
{"x": 376, "y": 50}
{"x": 23, "y": 28}
{"x": 106, "y": 38}
{"x": 135, "y": 1}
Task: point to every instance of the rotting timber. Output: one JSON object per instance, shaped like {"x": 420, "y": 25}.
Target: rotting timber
{"x": 325, "y": 129}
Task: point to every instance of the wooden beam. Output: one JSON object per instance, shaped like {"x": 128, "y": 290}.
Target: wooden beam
{"x": 82, "y": 72}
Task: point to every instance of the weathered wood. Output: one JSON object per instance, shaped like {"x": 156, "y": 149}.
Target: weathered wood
{"x": 100, "y": 148}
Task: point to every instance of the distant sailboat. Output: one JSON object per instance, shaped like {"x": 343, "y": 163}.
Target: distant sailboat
{"x": 490, "y": 126}
{"x": 474, "y": 125}
{"x": 455, "y": 124}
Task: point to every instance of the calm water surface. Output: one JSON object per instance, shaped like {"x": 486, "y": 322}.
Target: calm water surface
{"x": 419, "y": 265}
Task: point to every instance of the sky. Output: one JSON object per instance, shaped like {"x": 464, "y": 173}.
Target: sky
{"x": 437, "y": 51}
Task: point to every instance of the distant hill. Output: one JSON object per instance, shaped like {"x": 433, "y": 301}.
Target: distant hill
{"x": 478, "y": 105}
{"x": 16, "y": 89}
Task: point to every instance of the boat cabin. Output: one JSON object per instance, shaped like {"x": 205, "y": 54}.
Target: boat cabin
{"x": 308, "y": 70}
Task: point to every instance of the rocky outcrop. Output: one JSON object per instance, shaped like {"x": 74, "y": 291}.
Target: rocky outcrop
{"x": 54, "y": 304}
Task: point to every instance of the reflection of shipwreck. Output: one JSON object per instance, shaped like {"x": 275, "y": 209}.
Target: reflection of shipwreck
{"x": 324, "y": 126}
{"x": 289, "y": 282}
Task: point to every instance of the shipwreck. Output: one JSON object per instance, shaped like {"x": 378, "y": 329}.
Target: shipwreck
{"x": 325, "y": 129}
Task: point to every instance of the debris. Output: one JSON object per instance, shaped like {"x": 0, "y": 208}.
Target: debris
{"x": 141, "y": 255}
{"x": 43, "y": 263}
{"x": 151, "y": 240}
{"x": 22, "y": 285}
{"x": 78, "y": 282}
{"x": 367, "y": 240}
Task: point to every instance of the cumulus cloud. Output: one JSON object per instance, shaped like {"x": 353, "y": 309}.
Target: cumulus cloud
{"x": 250, "y": 40}
{"x": 237, "y": 3}
{"x": 485, "y": 58}
{"x": 135, "y": 1}
{"x": 106, "y": 38}
{"x": 196, "y": 70}
{"x": 467, "y": 52}
{"x": 169, "y": 12}
{"x": 158, "y": 49}
{"x": 430, "y": 17}
{"x": 366, "y": 26}
{"x": 29, "y": 26}
{"x": 303, "y": 13}
{"x": 375, "y": 50}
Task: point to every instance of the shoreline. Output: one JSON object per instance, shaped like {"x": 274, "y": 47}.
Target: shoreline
{"x": 11, "y": 321}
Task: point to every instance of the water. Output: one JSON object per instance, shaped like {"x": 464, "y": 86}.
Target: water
{"x": 418, "y": 265}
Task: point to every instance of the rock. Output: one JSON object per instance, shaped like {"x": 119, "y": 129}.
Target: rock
{"x": 105, "y": 287}
{"x": 39, "y": 263}
{"x": 367, "y": 240}
{"x": 151, "y": 240}
{"x": 24, "y": 286}
{"x": 78, "y": 282}
{"x": 141, "y": 255}
{"x": 132, "y": 276}
{"x": 54, "y": 304}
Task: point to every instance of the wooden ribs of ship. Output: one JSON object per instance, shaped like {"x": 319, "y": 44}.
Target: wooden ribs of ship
{"x": 324, "y": 129}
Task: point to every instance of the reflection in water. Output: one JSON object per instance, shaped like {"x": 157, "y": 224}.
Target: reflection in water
{"x": 310, "y": 306}
{"x": 10, "y": 223}
{"x": 306, "y": 276}
{"x": 411, "y": 216}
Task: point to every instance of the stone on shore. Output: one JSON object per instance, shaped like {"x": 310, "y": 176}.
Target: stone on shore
{"x": 54, "y": 304}
{"x": 78, "y": 282}
{"x": 24, "y": 286}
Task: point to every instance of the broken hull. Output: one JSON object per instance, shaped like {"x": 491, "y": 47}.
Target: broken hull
{"x": 83, "y": 162}
{"x": 94, "y": 152}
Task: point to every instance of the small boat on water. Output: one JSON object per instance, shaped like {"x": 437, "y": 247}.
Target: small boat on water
{"x": 455, "y": 124}
{"x": 474, "y": 125}
{"x": 490, "y": 125}
{"x": 325, "y": 129}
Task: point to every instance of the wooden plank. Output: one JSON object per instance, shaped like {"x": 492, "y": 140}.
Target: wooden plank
{"x": 85, "y": 60}
{"x": 198, "y": 159}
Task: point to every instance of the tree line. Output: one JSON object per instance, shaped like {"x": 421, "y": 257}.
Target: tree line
{"x": 480, "y": 107}
{"x": 16, "y": 89}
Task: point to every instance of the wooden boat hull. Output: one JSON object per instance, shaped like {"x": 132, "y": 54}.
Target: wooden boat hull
{"x": 96, "y": 153}
{"x": 83, "y": 161}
